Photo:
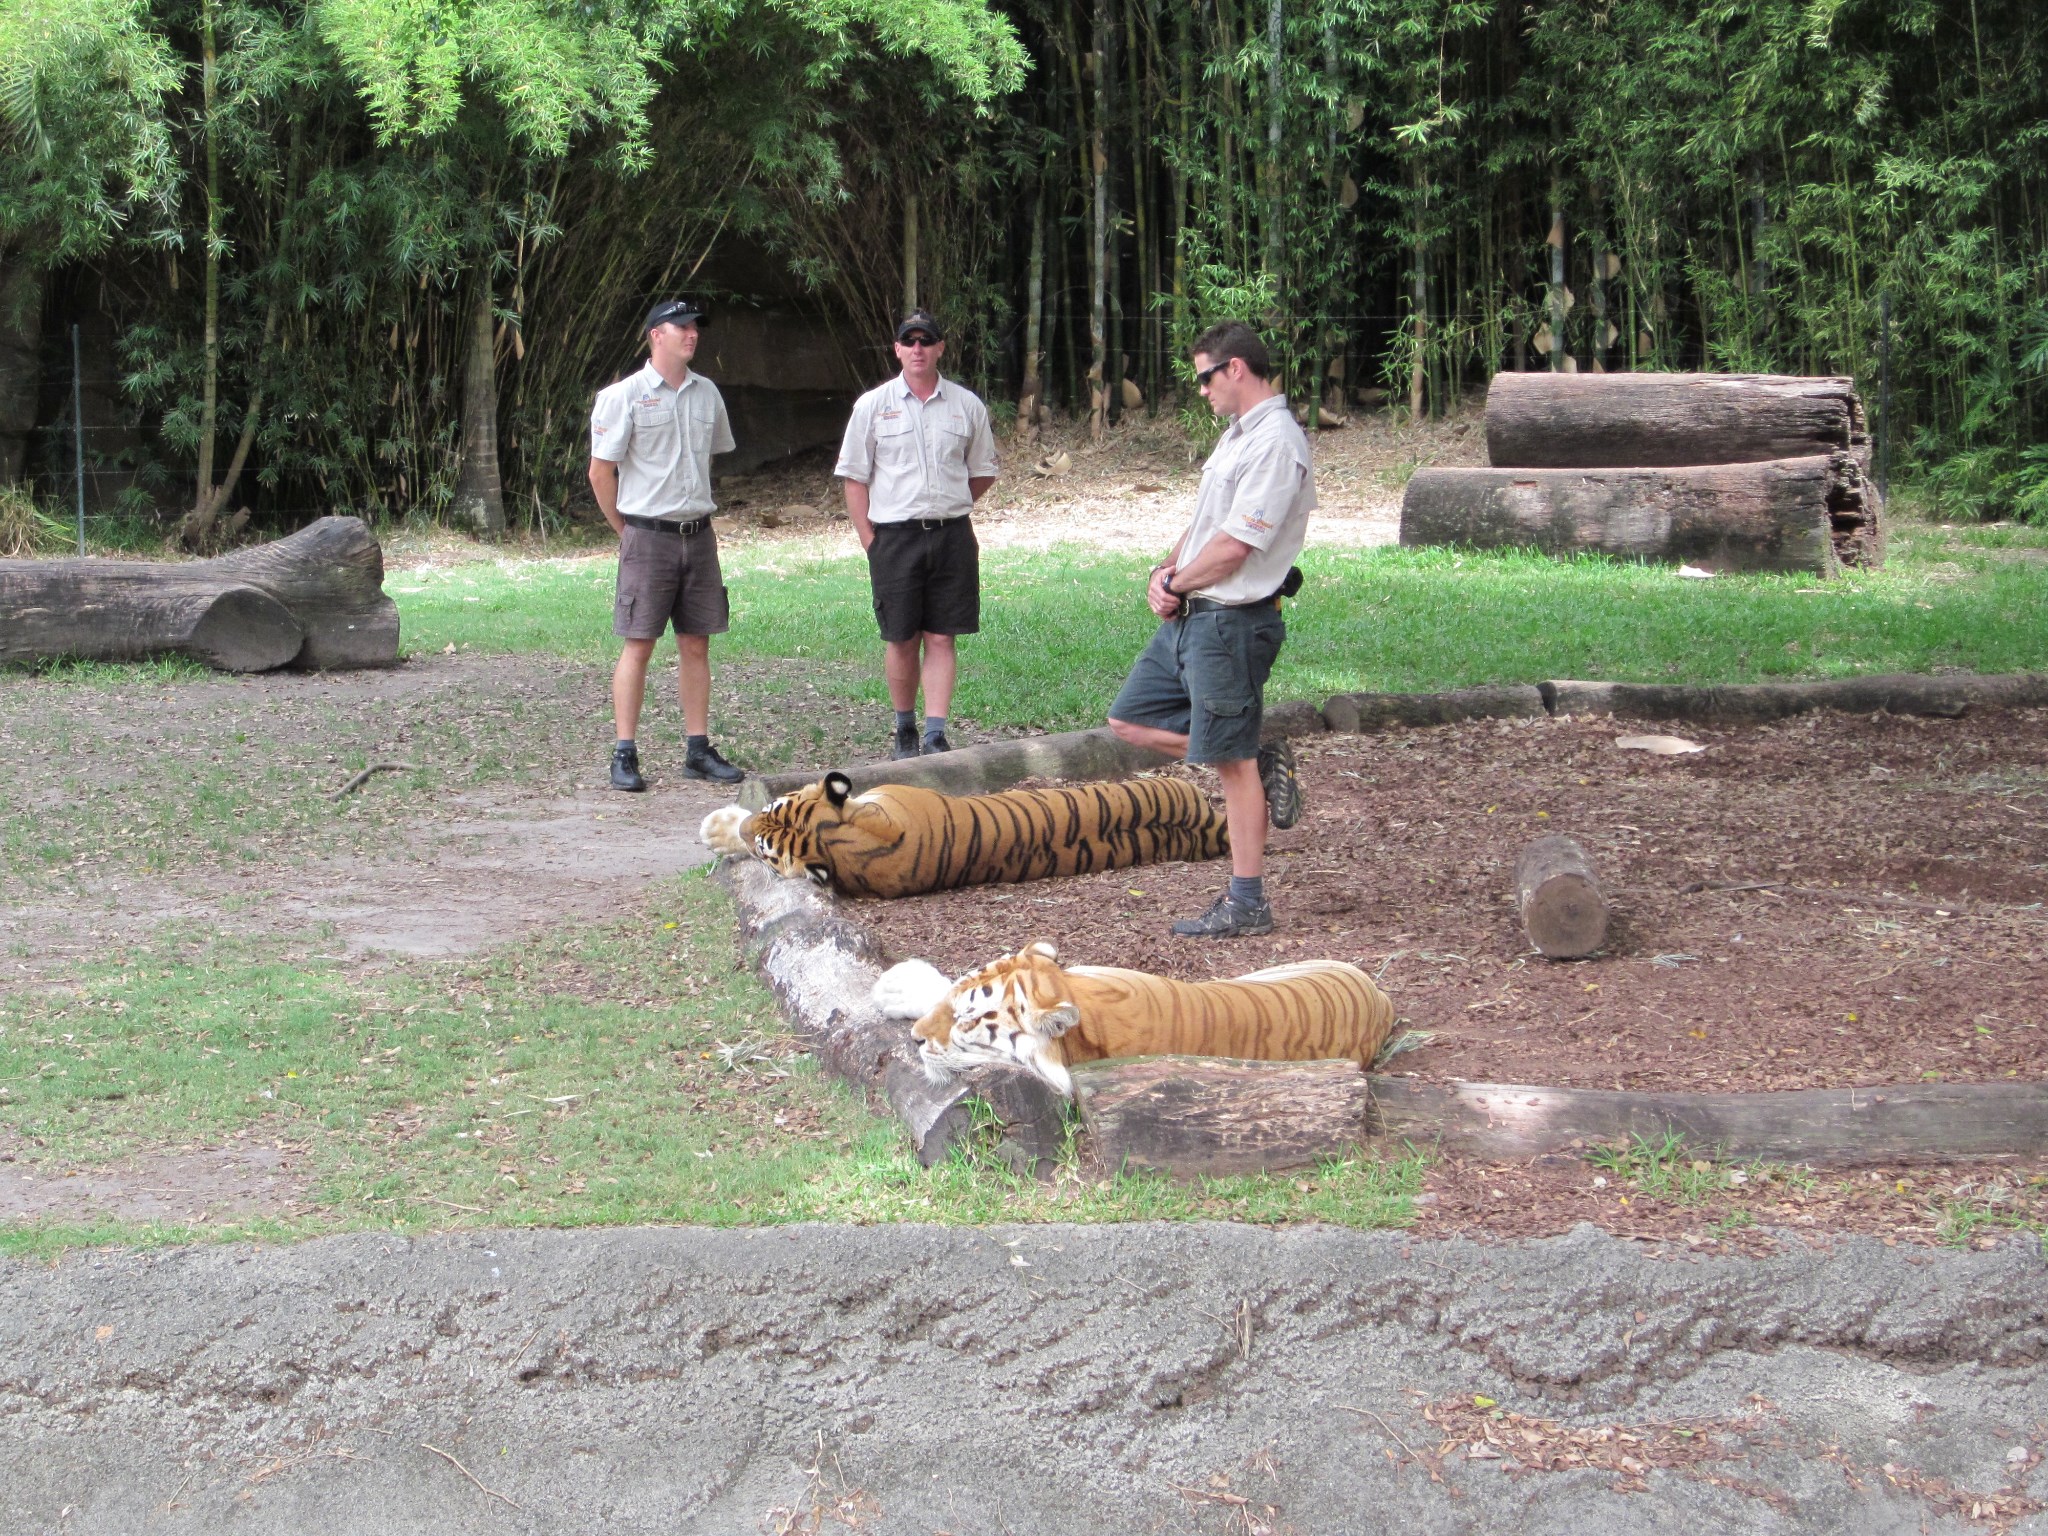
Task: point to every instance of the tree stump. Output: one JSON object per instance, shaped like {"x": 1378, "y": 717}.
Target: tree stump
{"x": 1807, "y": 514}
{"x": 1559, "y": 899}
{"x": 1191, "y": 1115}
{"x": 1652, "y": 420}
{"x": 314, "y": 600}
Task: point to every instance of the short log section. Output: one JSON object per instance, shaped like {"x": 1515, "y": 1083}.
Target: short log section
{"x": 314, "y": 600}
{"x": 1558, "y": 897}
{"x": 1192, "y": 1115}
{"x": 1593, "y": 420}
{"x": 1810, "y": 514}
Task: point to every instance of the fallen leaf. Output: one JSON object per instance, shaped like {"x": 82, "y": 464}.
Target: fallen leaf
{"x": 1694, "y": 573}
{"x": 1660, "y": 746}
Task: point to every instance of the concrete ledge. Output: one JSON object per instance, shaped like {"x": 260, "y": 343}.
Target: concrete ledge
{"x": 822, "y": 968}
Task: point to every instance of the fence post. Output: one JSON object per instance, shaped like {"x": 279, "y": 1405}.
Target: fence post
{"x": 78, "y": 433}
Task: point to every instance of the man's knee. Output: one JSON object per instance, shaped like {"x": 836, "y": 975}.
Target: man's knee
{"x": 1125, "y": 731}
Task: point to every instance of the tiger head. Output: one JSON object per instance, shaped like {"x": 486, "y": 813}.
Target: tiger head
{"x": 1012, "y": 1010}
{"x": 783, "y": 833}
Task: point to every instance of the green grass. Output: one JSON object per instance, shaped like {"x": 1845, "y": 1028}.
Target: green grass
{"x": 633, "y": 1073}
{"x": 1664, "y": 1168}
{"x": 1060, "y": 628}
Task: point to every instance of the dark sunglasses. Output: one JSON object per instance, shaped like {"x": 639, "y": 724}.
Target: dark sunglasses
{"x": 919, "y": 339}
{"x": 1203, "y": 377}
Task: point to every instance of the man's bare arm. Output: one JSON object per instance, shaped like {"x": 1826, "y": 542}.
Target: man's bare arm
{"x": 604, "y": 485}
{"x": 857, "y": 511}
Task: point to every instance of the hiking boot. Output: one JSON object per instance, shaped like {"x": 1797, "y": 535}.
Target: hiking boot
{"x": 905, "y": 744}
{"x": 626, "y": 769}
{"x": 1228, "y": 919}
{"x": 705, "y": 763}
{"x": 1282, "y": 786}
{"x": 936, "y": 742}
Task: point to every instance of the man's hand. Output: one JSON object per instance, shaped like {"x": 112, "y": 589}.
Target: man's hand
{"x": 1161, "y": 601}
{"x": 604, "y": 485}
{"x": 857, "y": 513}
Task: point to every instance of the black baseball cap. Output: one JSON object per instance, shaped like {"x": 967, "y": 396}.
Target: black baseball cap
{"x": 681, "y": 311}
{"x": 920, "y": 320}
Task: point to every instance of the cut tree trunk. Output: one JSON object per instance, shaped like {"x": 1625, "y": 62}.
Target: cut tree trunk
{"x": 1198, "y": 1115}
{"x": 314, "y": 600}
{"x": 1668, "y": 420}
{"x": 1559, "y": 899}
{"x": 479, "y": 488}
{"x": 1811, "y": 514}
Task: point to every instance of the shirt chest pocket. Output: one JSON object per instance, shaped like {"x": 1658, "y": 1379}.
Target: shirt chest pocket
{"x": 654, "y": 418}
{"x": 896, "y": 440}
{"x": 703, "y": 416}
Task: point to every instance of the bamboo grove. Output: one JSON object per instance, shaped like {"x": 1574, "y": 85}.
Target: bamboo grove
{"x": 367, "y": 255}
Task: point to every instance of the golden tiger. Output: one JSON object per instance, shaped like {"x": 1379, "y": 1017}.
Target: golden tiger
{"x": 896, "y": 840}
{"x": 1026, "y": 1010}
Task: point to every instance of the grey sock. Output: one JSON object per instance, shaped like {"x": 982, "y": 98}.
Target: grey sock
{"x": 934, "y": 725}
{"x": 628, "y": 743}
{"x": 697, "y": 743}
{"x": 1248, "y": 890}
{"x": 906, "y": 719}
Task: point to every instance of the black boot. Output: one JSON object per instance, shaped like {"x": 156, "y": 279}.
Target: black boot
{"x": 626, "y": 768}
{"x": 705, "y": 763}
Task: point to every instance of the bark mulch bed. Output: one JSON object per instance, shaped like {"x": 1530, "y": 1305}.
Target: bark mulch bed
{"x": 1893, "y": 929}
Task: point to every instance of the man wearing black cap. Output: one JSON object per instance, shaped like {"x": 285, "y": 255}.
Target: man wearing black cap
{"x": 652, "y": 435}
{"x": 917, "y": 456}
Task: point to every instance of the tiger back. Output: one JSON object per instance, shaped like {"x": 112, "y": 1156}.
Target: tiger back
{"x": 898, "y": 840}
{"x": 1028, "y": 1010}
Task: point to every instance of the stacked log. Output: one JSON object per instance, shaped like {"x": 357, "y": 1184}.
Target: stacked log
{"x": 314, "y": 600}
{"x": 1726, "y": 472}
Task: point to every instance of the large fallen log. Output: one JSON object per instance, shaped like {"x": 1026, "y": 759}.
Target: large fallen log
{"x": 1668, "y": 420}
{"x": 1810, "y": 514}
{"x": 313, "y": 600}
{"x": 1199, "y": 1115}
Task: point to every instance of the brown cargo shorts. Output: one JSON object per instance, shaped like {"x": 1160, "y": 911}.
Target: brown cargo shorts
{"x": 666, "y": 578}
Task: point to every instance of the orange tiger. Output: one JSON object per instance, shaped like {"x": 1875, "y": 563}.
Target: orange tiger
{"x": 896, "y": 840}
{"x": 1029, "y": 1011}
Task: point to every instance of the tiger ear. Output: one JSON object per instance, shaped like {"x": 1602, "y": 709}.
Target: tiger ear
{"x": 1057, "y": 1020}
{"x": 837, "y": 788}
{"x": 1043, "y": 948}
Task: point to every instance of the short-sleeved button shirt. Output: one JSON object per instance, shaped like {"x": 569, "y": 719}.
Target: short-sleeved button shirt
{"x": 1259, "y": 487}
{"x": 662, "y": 438}
{"x": 916, "y": 456}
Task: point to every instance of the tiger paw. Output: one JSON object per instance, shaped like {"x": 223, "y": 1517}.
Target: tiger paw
{"x": 910, "y": 990}
{"x": 720, "y": 831}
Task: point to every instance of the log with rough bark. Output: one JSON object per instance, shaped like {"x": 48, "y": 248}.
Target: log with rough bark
{"x": 1668, "y": 420}
{"x": 1558, "y": 897}
{"x": 1918, "y": 1122}
{"x": 1198, "y": 1115}
{"x": 1810, "y": 514}
{"x": 314, "y": 600}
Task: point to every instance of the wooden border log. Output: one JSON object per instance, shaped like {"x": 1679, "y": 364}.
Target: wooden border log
{"x": 1813, "y": 514}
{"x": 1355, "y": 712}
{"x": 1947, "y": 697}
{"x": 313, "y": 600}
{"x": 1558, "y": 897}
{"x": 1666, "y": 420}
{"x": 1190, "y": 1115}
{"x": 822, "y": 969}
{"x": 1836, "y": 1127}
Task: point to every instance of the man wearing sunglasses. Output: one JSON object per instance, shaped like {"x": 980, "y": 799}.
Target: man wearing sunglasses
{"x": 1197, "y": 690}
{"x": 917, "y": 456}
{"x": 652, "y": 436}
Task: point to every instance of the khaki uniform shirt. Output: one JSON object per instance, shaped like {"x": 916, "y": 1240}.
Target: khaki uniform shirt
{"x": 916, "y": 456}
{"x": 1259, "y": 487}
{"x": 662, "y": 439}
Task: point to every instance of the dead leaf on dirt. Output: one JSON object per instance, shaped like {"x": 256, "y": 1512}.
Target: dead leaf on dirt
{"x": 1054, "y": 464}
{"x": 1659, "y": 746}
{"x": 1694, "y": 573}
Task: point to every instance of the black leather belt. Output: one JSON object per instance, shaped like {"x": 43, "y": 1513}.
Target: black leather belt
{"x": 656, "y": 525}
{"x": 1210, "y": 605}
{"x": 925, "y": 523}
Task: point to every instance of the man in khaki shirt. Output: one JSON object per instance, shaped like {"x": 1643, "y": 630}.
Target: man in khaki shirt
{"x": 917, "y": 456}
{"x": 652, "y": 436}
{"x": 1197, "y": 691}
